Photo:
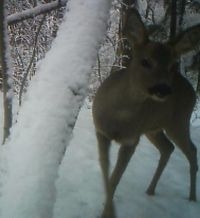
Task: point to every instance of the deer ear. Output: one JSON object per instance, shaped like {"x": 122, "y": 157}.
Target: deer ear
{"x": 134, "y": 29}
{"x": 187, "y": 40}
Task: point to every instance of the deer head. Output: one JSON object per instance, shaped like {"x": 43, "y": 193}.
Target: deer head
{"x": 154, "y": 63}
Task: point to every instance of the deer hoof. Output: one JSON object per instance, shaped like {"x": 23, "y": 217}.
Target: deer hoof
{"x": 109, "y": 212}
{"x": 108, "y": 215}
{"x": 150, "y": 192}
{"x": 193, "y": 198}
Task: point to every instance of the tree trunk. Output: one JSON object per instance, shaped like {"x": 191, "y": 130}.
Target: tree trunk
{"x": 173, "y": 22}
{"x": 182, "y": 12}
{"x": 4, "y": 61}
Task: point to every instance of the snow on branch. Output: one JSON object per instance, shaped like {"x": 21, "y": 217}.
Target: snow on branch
{"x": 49, "y": 111}
{"x": 31, "y": 13}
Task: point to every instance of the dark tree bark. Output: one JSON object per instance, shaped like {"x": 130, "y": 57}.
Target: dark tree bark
{"x": 5, "y": 72}
{"x": 195, "y": 67}
{"x": 182, "y": 6}
{"x": 173, "y": 21}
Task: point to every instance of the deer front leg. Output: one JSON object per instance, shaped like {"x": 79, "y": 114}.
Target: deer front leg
{"x": 104, "y": 146}
{"x": 124, "y": 155}
{"x": 165, "y": 148}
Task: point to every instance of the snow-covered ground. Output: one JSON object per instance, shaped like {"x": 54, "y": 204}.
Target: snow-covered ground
{"x": 80, "y": 191}
{"x": 79, "y": 186}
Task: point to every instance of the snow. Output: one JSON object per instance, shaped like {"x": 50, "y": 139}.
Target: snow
{"x": 30, "y": 160}
{"x": 45, "y": 121}
{"x": 80, "y": 189}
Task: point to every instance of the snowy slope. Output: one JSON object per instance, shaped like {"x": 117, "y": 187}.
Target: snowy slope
{"x": 80, "y": 191}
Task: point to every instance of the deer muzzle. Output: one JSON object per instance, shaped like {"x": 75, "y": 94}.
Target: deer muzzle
{"x": 160, "y": 91}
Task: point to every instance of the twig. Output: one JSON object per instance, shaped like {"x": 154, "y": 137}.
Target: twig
{"x": 31, "y": 61}
{"x": 99, "y": 69}
{"x": 33, "y": 12}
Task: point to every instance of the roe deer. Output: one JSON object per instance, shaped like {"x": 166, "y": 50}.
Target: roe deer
{"x": 148, "y": 97}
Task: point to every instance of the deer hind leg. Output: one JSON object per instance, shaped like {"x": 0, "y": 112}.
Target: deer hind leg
{"x": 165, "y": 148}
{"x": 181, "y": 136}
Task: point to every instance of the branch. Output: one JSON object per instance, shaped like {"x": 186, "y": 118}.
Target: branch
{"x": 99, "y": 69}
{"x": 31, "y": 61}
{"x": 31, "y": 13}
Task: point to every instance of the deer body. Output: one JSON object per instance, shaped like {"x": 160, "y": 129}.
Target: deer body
{"x": 149, "y": 98}
{"x": 121, "y": 113}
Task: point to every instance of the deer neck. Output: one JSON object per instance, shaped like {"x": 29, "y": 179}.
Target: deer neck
{"x": 135, "y": 92}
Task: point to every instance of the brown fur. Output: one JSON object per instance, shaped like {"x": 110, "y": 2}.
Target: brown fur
{"x": 149, "y": 97}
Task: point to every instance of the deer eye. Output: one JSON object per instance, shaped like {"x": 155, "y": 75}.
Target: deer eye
{"x": 146, "y": 63}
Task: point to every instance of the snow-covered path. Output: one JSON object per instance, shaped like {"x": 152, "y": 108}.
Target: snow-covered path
{"x": 79, "y": 187}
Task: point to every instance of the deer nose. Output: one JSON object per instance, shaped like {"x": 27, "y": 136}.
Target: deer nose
{"x": 161, "y": 90}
